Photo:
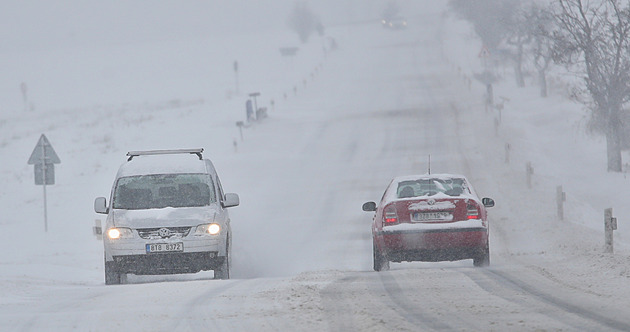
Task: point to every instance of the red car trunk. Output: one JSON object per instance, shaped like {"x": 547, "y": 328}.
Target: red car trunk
{"x": 445, "y": 210}
{"x": 433, "y": 244}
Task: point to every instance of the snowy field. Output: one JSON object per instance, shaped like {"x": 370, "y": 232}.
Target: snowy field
{"x": 342, "y": 124}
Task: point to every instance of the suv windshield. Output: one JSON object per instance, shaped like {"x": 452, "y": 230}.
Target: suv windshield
{"x": 157, "y": 191}
{"x": 430, "y": 187}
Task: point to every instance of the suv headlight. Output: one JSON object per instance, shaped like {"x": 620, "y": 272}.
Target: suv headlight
{"x": 119, "y": 233}
{"x": 212, "y": 229}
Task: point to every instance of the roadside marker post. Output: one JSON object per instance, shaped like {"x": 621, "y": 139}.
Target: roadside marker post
{"x": 24, "y": 89}
{"x": 507, "y": 153}
{"x": 561, "y": 197}
{"x": 97, "y": 229}
{"x": 236, "y": 75}
{"x": 610, "y": 225}
{"x": 44, "y": 159}
{"x": 529, "y": 170}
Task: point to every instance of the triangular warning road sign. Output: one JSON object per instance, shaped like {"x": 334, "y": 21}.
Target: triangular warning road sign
{"x": 43, "y": 153}
{"x": 484, "y": 53}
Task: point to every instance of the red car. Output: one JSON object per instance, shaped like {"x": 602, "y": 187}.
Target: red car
{"x": 431, "y": 217}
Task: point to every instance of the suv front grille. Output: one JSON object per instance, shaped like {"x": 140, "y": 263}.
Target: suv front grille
{"x": 154, "y": 233}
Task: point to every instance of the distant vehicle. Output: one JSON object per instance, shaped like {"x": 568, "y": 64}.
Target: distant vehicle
{"x": 167, "y": 215}
{"x": 431, "y": 217}
{"x": 395, "y": 23}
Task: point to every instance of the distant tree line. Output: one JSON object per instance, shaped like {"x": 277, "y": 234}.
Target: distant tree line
{"x": 588, "y": 38}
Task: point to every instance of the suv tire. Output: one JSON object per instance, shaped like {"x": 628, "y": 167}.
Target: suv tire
{"x": 223, "y": 270}
{"x": 112, "y": 277}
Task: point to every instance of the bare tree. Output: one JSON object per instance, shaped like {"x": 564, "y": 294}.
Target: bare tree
{"x": 519, "y": 35}
{"x": 594, "y": 35}
{"x": 541, "y": 20}
{"x": 304, "y": 22}
{"x": 494, "y": 23}
{"x": 491, "y": 19}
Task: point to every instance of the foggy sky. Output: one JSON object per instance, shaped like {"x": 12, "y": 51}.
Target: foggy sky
{"x": 40, "y": 24}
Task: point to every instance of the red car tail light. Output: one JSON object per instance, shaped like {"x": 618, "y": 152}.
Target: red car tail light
{"x": 472, "y": 211}
{"x": 389, "y": 215}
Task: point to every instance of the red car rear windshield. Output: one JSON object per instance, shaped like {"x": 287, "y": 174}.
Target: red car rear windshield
{"x": 432, "y": 186}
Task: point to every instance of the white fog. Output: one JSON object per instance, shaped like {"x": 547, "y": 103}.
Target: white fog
{"x": 358, "y": 104}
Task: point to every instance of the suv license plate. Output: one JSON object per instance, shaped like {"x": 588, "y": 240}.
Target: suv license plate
{"x": 165, "y": 247}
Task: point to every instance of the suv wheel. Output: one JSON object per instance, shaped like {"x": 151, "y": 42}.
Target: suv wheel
{"x": 223, "y": 270}
{"x": 112, "y": 277}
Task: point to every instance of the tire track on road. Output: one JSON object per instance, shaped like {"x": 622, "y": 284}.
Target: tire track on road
{"x": 203, "y": 305}
{"x": 568, "y": 310}
{"x": 411, "y": 312}
{"x": 336, "y": 307}
{"x": 377, "y": 302}
{"x": 385, "y": 301}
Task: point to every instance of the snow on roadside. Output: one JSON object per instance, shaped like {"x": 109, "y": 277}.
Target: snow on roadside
{"x": 550, "y": 134}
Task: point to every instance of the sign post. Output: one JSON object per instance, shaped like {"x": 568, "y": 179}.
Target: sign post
{"x": 44, "y": 159}
{"x": 254, "y": 95}
{"x": 240, "y": 125}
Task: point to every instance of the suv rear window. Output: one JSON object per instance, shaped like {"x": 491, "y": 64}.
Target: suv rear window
{"x": 157, "y": 191}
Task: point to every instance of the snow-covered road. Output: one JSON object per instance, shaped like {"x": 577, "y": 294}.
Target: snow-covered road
{"x": 302, "y": 253}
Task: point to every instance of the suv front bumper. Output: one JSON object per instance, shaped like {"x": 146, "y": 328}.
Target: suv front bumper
{"x": 199, "y": 254}
{"x": 167, "y": 263}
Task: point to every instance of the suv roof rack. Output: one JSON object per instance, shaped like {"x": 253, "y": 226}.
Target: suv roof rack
{"x": 132, "y": 154}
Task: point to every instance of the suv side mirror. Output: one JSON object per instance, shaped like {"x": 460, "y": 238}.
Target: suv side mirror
{"x": 369, "y": 206}
{"x": 487, "y": 202}
{"x": 231, "y": 200}
{"x": 100, "y": 205}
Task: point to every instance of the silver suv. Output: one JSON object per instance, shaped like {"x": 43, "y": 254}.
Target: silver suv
{"x": 167, "y": 215}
